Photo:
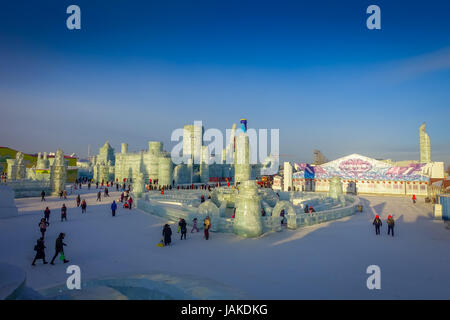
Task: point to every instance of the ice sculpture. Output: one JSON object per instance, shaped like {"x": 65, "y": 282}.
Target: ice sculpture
{"x": 247, "y": 222}
{"x": 425, "y": 147}
{"x": 335, "y": 191}
{"x": 242, "y": 165}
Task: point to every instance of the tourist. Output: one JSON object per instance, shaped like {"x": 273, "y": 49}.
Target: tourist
{"x": 183, "y": 229}
{"x": 60, "y": 194}
{"x": 78, "y": 200}
{"x": 207, "y": 226}
{"x": 306, "y": 208}
{"x": 117, "y": 187}
{"x": 194, "y": 222}
{"x": 42, "y": 195}
{"x": 121, "y": 197}
{"x": 114, "y": 208}
{"x": 43, "y": 227}
{"x": 377, "y": 223}
{"x": 40, "y": 251}
{"x": 130, "y": 202}
{"x": 65, "y": 194}
{"x": 83, "y": 206}
{"x": 179, "y": 225}
{"x": 89, "y": 185}
{"x": 311, "y": 209}
{"x": 391, "y": 223}
{"x": 202, "y": 199}
{"x": 234, "y": 214}
{"x": 106, "y": 192}
{"x": 59, "y": 248}
{"x": 96, "y": 185}
{"x": 282, "y": 216}
{"x": 99, "y": 196}
{"x": 167, "y": 234}
{"x": 63, "y": 212}
{"x": 47, "y": 214}
{"x": 414, "y": 198}
{"x": 263, "y": 212}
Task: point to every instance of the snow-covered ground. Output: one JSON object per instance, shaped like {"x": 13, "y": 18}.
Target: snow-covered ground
{"x": 326, "y": 261}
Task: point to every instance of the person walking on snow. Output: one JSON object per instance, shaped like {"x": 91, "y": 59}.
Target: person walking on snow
{"x": 183, "y": 229}
{"x": 167, "y": 234}
{"x": 43, "y": 226}
{"x": 194, "y": 225}
{"x": 59, "y": 247}
{"x": 40, "y": 251}
{"x": 47, "y": 214}
{"x": 63, "y": 212}
{"x": 114, "y": 208}
{"x": 207, "y": 226}
{"x": 83, "y": 206}
{"x": 391, "y": 223}
{"x": 377, "y": 223}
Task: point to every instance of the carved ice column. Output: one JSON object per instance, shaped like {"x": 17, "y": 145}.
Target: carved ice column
{"x": 58, "y": 173}
{"x": 12, "y": 169}
{"x": 335, "y": 190}
{"x": 139, "y": 185}
{"x": 287, "y": 179}
{"x": 204, "y": 168}
{"x": 425, "y": 147}
{"x": 242, "y": 166}
{"x": 247, "y": 222}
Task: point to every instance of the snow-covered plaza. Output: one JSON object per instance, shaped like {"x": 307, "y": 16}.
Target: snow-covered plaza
{"x": 324, "y": 261}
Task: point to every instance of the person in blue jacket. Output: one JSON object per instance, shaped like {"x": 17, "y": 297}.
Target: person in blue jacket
{"x": 114, "y": 208}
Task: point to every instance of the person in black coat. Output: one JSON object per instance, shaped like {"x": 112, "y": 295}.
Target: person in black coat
{"x": 377, "y": 223}
{"x": 63, "y": 212}
{"x": 59, "y": 247}
{"x": 40, "y": 251}
{"x": 167, "y": 234}
{"x": 43, "y": 195}
{"x": 183, "y": 228}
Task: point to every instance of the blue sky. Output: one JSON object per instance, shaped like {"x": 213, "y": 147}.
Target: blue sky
{"x": 137, "y": 70}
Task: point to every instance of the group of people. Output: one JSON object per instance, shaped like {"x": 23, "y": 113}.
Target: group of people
{"x": 390, "y": 222}
{"x": 59, "y": 249}
{"x": 182, "y": 229}
{"x": 40, "y": 245}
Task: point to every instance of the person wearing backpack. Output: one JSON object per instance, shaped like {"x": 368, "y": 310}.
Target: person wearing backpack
{"x": 377, "y": 223}
{"x": 40, "y": 251}
{"x": 391, "y": 223}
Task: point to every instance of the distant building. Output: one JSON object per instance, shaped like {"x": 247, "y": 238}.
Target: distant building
{"x": 319, "y": 158}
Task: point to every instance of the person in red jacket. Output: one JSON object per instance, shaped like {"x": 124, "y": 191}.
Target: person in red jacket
{"x": 414, "y": 198}
{"x": 130, "y": 202}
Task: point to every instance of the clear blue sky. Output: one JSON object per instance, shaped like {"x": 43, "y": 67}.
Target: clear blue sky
{"x": 139, "y": 69}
